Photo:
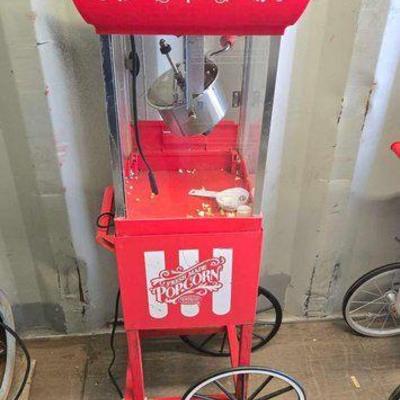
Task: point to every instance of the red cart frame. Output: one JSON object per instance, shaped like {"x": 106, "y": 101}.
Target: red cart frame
{"x": 182, "y": 273}
{"x": 184, "y": 276}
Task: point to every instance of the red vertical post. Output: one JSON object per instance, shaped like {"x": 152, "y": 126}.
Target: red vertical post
{"x": 246, "y": 336}
{"x": 233, "y": 345}
{"x": 135, "y": 365}
{"x": 128, "y": 395}
{"x": 245, "y": 345}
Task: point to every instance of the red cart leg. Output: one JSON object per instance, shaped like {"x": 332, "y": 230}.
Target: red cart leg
{"x": 240, "y": 350}
{"x": 135, "y": 366}
{"x": 245, "y": 344}
{"x": 233, "y": 345}
{"x": 128, "y": 384}
{"x": 246, "y": 336}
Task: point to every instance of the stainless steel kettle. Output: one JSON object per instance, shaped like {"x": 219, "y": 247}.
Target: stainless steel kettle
{"x": 206, "y": 110}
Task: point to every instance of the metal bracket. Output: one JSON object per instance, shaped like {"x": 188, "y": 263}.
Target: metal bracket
{"x": 194, "y": 66}
{"x": 236, "y": 98}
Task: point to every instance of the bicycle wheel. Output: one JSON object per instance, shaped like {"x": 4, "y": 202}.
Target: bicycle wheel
{"x": 369, "y": 306}
{"x": 268, "y": 322}
{"x": 246, "y": 383}
{"x": 395, "y": 395}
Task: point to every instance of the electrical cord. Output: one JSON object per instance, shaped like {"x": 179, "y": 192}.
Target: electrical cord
{"x": 110, "y": 221}
{"x": 27, "y": 356}
{"x": 154, "y": 189}
{"x": 152, "y": 178}
{"x": 112, "y": 346}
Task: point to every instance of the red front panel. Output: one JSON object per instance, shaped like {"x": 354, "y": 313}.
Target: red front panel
{"x": 187, "y": 281}
{"x": 192, "y": 17}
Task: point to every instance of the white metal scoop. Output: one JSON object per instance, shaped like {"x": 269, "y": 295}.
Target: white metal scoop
{"x": 228, "y": 200}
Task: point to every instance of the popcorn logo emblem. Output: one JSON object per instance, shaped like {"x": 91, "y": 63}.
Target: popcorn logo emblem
{"x": 188, "y": 286}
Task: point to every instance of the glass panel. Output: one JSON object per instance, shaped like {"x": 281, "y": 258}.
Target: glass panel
{"x": 252, "y": 107}
{"x": 203, "y": 148}
{"x": 261, "y": 64}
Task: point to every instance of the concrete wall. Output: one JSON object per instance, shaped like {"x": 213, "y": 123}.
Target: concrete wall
{"x": 332, "y": 185}
{"x": 55, "y": 164}
{"x": 332, "y": 182}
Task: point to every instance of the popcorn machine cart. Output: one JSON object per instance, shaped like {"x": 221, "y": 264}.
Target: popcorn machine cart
{"x": 189, "y": 89}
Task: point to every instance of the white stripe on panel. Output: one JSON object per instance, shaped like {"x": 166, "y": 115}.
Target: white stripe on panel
{"x": 221, "y": 304}
{"x": 155, "y": 263}
{"x": 188, "y": 258}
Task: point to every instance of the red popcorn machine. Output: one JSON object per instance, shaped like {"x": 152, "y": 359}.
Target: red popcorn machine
{"x": 189, "y": 89}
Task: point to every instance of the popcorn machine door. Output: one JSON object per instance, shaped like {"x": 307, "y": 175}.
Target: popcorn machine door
{"x": 183, "y": 162}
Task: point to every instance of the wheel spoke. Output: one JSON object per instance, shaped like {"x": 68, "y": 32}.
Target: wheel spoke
{"x": 202, "y": 397}
{"x": 393, "y": 279}
{"x": 370, "y": 293}
{"x": 376, "y": 316}
{"x": 277, "y": 393}
{"x": 242, "y": 379}
{"x": 378, "y": 287}
{"x": 258, "y": 336}
{"x": 260, "y": 388}
{"x": 264, "y": 309}
{"x": 207, "y": 339}
{"x": 365, "y": 305}
{"x": 360, "y": 318}
{"x": 221, "y": 350}
{"x": 365, "y": 302}
{"x": 225, "y": 390}
{"x": 385, "y": 320}
{"x": 266, "y": 323}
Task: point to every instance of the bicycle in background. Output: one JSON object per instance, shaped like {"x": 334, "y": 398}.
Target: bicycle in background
{"x": 371, "y": 307}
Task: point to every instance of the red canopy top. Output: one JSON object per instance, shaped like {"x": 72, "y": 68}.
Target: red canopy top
{"x": 191, "y": 17}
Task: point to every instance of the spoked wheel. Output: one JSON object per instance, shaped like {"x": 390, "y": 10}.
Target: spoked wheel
{"x": 369, "y": 306}
{"x": 268, "y": 322}
{"x": 395, "y": 395}
{"x": 246, "y": 383}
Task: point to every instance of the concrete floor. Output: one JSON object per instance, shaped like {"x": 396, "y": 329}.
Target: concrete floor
{"x": 323, "y": 356}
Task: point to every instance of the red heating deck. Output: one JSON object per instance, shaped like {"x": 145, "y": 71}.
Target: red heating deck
{"x": 173, "y": 200}
{"x": 180, "y": 165}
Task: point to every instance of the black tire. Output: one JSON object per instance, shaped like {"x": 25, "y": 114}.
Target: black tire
{"x": 357, "y": 284}
{"x": 249, "y": 372}
{"x": 396, "y": 394}
{"x": 258, "y": 340}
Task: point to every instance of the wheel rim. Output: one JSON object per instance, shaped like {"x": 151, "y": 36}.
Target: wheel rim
{"x": 395, "y": 395}
{"x": 268, "y": 322}
{"x": 247, "y": 384}
{"x": 371, "y": 310}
